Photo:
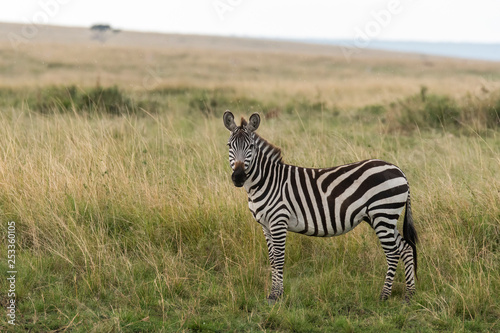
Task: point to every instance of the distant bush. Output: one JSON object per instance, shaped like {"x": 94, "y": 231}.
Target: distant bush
{"x": 106, "y": 100}
{"x": 371, "y": 113}
{"x": 208, "y": 102}
{"x": 493, "y": 115}
{"x": 109, "y": 100}
{"x": 302, "y": 104}
{"x": 213, "y": 102}
{"x": 434, "y": 111}
{"x": 425, "y": 110}
{"x": 484, "y": 112}
{"x": 54, "y": 98}
{"x": 422, "y": 110}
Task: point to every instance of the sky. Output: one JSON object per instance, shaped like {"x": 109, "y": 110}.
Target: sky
{"x": 392, "y": 20}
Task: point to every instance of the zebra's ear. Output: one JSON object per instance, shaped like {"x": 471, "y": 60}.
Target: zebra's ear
{"x": 253, "y": 122}
{"x": 229, "y": 120}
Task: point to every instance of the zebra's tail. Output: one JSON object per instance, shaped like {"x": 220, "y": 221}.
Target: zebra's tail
{"x": 409, "y": 232}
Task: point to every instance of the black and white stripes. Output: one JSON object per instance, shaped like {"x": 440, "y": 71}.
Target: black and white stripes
{"x": 321, "y": 202}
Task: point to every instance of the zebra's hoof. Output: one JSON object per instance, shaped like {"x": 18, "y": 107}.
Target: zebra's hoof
{"x": 272, "y": 299}
{"x": 407, "y": 299}
{"x": 409, "y": 295}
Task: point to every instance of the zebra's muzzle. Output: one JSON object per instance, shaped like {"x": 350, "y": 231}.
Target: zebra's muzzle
{"x": 239, "y": 177}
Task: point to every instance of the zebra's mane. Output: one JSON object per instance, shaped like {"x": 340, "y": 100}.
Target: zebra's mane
{"x": 243, "y": 122}
{"x": 272, "y": 150}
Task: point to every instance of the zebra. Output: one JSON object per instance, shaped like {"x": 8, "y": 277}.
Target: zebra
{"x": 321, "y": 202}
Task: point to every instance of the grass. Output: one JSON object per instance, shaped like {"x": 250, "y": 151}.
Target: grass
{"x": 128, "y": 221}
{"x": 131, "y": 224}
{"x": 438, "y": 111}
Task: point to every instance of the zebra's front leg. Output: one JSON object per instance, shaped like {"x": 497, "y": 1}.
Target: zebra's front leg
{"x": 275, "y": 238}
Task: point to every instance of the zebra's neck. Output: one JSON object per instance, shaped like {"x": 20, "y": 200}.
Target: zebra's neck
{"x": 266, "y": 167}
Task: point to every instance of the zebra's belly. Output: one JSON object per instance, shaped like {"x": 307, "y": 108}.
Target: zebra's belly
{"x": 321, "y": 228}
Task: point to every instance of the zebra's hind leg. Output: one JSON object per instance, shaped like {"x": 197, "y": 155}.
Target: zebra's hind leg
{"x": 390, "y": 240}
{"x": 409, "y": 263}
{"x": 392, "y": 258}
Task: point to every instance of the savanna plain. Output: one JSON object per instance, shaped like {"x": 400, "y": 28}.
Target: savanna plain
{"x": 114, "y": 168}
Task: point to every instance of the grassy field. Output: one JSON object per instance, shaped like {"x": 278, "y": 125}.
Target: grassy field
{"x": 114, "y": 167}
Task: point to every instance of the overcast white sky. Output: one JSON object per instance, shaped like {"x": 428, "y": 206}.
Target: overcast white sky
{"x": 404, "y": 20}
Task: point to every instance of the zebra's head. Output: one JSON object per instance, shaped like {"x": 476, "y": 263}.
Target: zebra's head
{"x": 241, "y": 145}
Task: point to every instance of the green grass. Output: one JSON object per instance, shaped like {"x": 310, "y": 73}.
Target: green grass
{"x": 439, "y": 111}
{"x": 128, "y": 222}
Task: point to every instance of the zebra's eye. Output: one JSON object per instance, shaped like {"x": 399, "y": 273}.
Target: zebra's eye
{"x": 251, "y": 146}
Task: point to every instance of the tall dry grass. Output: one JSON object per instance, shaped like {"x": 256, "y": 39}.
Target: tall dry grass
{"x": 135, "y": 217}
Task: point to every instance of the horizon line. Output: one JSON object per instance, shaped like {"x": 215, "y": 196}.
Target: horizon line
{"x": 320, "y": 40}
